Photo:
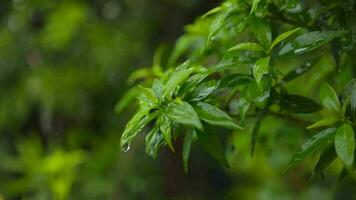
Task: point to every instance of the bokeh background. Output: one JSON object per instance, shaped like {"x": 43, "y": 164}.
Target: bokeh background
{"x": 64, "y": 66}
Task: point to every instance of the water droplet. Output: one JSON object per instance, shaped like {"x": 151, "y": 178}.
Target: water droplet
{"x": 125, "y": 147}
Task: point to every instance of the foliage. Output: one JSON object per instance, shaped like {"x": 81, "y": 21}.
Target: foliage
{"x": 239, "y": 60}
{"x": 62, "y": 66}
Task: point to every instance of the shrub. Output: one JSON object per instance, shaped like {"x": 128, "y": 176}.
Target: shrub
{"x": 245, "y": 60}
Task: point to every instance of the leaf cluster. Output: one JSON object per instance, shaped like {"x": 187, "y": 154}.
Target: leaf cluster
{"x": 239, "y": 52}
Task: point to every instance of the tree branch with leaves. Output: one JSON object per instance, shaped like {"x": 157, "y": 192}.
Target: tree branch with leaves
{"x": 238, "y": 59}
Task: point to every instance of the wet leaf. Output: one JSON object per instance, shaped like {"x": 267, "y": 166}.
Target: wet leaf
{"x": 282, "y": 37}
{"x": 214, "y": 116}
{"x": 345, "y": 144}
{"x": 261, "y": 30}
{"x": 183, "y": 113}
{"x": 298, "y": 104}
{"x": 324, "y": 122}
{"x": 250, "y": 46}
{"x": 178, "y": 76}
{"x": 158, "y": 89}
{"x": 135, "y": 125}
{"x": 314, "y": 144}
{"x": 308, "y": 41}
{"x": 203, "y": 90}
{"x": 260, "y": 68}
{"x": 147, "y": 96}
{"x": 154, "y": 140}
{"x": 217, "y": 24}
{"x": 166, "y": 130}
{"x": 191, "y": 83}
{"x": 328, "y": 98}
{"x": 234, "y": 80}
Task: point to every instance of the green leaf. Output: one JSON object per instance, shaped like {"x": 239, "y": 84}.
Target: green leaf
{"x": 308, "y": 41}
{"x": 212, "y": 11}
{"x": 217, "y": 24}
{"x": 177, "y": 77}
{"x": 314, "y": 144}
{"x": 249, "y": 46}
{"x": 213, "y": 115}
{"x": 147, "y": 96}
{"x": 210, "y": 141}
{"x": 298, "y": 104}
{"x": 166, "y": 130}
{"x": 326, "y": 158}
{"x": 344, "y": 105}
{"x": 251, "y": 91}
{"x": 324, "y": 122}
{"x": 248, "y": 95}
{"x": 187, "y": 143}
{"x": 234, "y": 80}
{"x": 158, "y": 89}
{"x": 282, "y": 37}
{"x": 134, "y": 126}
{"x": 254, "y": 5}
{"x": 262, "y": 100}
{"x": 345, "y": 144}
{"x": 328, "y": 98}
{"x": 203, "y": 90}
{"x": 258, "y": 95}
{"x": 191, "y": 83}
{"x": 261, "y": 30}
{"x": 260, "y": 68}
{"x": 154, "y": 140}
{"x": 183, "y": 113}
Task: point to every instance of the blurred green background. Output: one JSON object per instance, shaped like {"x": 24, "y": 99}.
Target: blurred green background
{"x": 63, "y": 67}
